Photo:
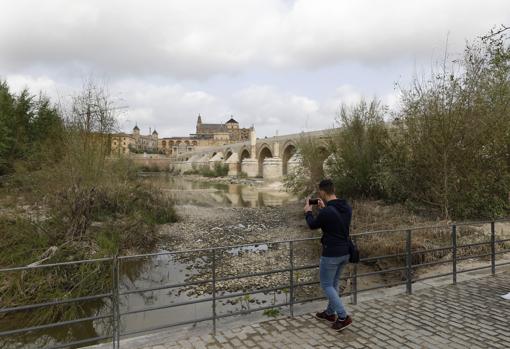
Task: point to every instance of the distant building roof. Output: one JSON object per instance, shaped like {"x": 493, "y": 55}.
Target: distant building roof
{"x": 154, "y": 132}
{"x": 213, "y": 128}
{"x": 136, "y": 128}
{"x": 232, "y": 121}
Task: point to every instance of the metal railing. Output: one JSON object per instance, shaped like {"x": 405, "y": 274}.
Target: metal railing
{"x": 116, "y": 315}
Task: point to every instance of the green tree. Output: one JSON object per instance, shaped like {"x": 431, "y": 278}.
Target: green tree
{"x": 31, "y": 130}
{"x": 450, "y": 148}
{"x": 357, "y": 147}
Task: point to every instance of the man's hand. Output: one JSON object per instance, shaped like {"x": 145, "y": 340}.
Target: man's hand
{"x": 308, "y": 207}
{"x": 321, "y": 204}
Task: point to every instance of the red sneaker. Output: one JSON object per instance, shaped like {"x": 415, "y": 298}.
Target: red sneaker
{"x": 339, "y": 325}
{"x": 325, "y": 316}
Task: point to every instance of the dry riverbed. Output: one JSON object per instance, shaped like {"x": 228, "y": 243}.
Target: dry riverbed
{"x": 205, "y": 227}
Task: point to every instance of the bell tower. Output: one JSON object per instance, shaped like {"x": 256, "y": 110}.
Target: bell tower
{"x": 199, "y": 124}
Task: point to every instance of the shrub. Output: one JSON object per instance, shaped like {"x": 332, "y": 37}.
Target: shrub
{"x": 220, "y": 170}
{"x": 358, "y": 145}
{"x": 303, "y": 179}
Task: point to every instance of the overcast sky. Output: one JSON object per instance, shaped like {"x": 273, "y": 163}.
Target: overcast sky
{"x": 281, "y": 65}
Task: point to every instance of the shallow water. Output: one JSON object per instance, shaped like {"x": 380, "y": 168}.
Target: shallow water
{"x": 167, "y": 269}
{"x": 203, "y": 193}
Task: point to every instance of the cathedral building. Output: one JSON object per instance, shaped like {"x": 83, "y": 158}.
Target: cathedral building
{"x": 228, "y": 131}
{"x": 206, "y": 135}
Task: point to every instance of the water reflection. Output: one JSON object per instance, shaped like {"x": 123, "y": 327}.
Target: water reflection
{"x": 191, "y": 192}
{"x": 161, "y": 270}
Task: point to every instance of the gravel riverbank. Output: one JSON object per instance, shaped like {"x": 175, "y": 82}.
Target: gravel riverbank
{"x": 205, "y": 227}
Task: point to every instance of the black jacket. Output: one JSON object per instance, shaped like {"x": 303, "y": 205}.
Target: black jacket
{"x": 335, "y": 227}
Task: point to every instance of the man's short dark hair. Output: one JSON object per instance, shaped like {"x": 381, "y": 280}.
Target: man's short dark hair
{"x": 327, "y": 186}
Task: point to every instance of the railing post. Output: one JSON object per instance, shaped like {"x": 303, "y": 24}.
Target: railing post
{"x": 354, "y": 281}
{"x": 291, "y": 281}
{"x": 454, "y": 253}
{"x": 214, "y": 289}
{"x": 493, "y": 248}
{"x": 409, "y": 260}
{"x": 115, "y": 303}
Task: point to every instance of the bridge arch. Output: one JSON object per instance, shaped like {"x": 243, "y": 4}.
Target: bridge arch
{"x": 228, "y": 153}
{"x": 289, "y": 149}
{"x": 244, "y": 153}
{"x": 264, "y": 152}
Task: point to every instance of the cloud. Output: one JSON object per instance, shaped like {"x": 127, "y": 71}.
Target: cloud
{"x": 271, "y": 109}
{"x": 35, "y": 85}
{"x": 170, "y": 108}
{"x": 173, "y": 109}
{"x": 281, "y": 65}
{"x": 198, "y": 39}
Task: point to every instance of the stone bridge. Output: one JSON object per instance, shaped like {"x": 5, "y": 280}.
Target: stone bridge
{"x": 268, "y": 158}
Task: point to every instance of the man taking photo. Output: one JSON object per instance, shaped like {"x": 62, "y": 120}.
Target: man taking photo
{"x": 334, "y": 219}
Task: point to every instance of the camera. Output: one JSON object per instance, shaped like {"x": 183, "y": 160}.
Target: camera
{"x": 313, "y": 201}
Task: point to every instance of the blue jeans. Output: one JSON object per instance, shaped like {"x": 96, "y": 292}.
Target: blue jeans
{"x": 330, "y": 269}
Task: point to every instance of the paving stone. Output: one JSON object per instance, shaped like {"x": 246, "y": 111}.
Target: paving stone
{"x": 440, "y": 317}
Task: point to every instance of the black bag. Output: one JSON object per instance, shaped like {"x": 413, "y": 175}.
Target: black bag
{"x": 353, "y": 252}
{"x": 353, "y": 249}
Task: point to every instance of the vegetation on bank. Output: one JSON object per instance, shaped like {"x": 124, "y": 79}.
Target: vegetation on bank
{"x": 63, "y": 199}
{"x": 153, "y": 168}
{"x": 219, "y": 170}
{"x": 446, "y": 151}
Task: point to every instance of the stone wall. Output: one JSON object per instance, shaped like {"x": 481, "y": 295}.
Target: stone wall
{"x": 160, "y": 162}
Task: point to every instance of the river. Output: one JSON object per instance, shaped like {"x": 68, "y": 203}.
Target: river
{"x": 166, "y": 269}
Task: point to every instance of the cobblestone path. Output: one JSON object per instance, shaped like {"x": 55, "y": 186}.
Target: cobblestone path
{"x": 471, "y": 314}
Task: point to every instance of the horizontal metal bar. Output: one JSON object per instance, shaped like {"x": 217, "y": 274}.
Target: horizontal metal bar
{"x": 262, "y": 290}
{"x": 220, "y": 248}
{"x": 249, "y": 311}
{"x": 143, "y": 310}
{"x": 83, "y": 341}
{"x": 163, "y": 287}
{"x": 52, "y": 325}
{"x": 473, "y": 257}
{"x": 156, "y": 328}
{"x": 402, "y": 230}
{"x": 216, "y": 248}
{"x": 482, "y": 222}
{"x": 502, "y": 264}
{"x": 475, "y": 244}
{"x": 433, "y": 277}
{"x": 210, "y": 299}
{"x": 366, "y": 233}
{"x": 414, "y": 266}
{"x": 503, "y": 252}
{"x": 432, "y": 250}
{"x": 262, "y": 273}
{"x": 382, "y": 286}
{"x": 501, "y": 241}
{"x": 304, "y": 267}
{"x": 307, "y": 300}
{"x": 309, "y": 283}
{"x": 382, "y": 257}
{"x": 473, "y": 269}
{"x": 52, "y": 303}
{"x": 381, "y": 272}
{"x": 166, "y": 253}
{"x": 40, "y": 266}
